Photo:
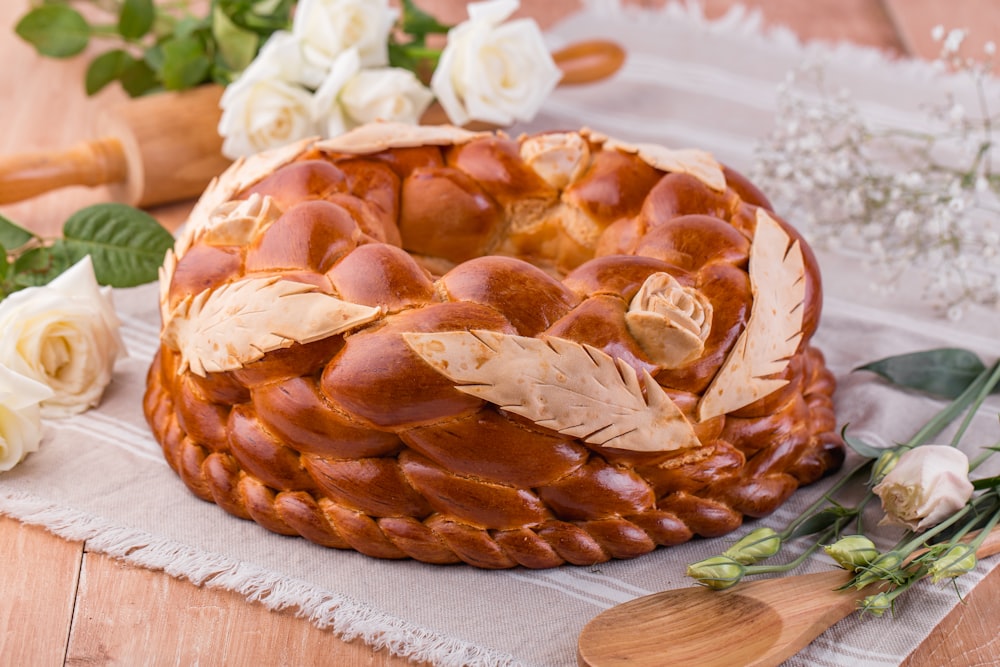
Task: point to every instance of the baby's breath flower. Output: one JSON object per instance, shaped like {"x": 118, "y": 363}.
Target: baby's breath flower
{"x": 905, "y": 200}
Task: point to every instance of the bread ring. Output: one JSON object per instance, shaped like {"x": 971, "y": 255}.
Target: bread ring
{"x": 428, "y": 343}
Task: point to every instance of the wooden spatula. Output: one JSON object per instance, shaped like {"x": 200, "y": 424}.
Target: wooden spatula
{"x": 165, "y": 147}
{"x": 755, "y": 624}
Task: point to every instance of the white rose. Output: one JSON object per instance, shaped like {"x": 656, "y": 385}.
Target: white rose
{"x": 20, "y": 417}
{"x": 65, "y": 336}
{"x": 262, "y": 110}
{"x": 283, "y": 57}
{"x": 326, "y": 28}
{"x": 327, "y": 113}
{"x": 269, "y": 104}
{"x": 386, "y": 93}
{"x": 927, "y": 485}
{"x": 493, "y": 71}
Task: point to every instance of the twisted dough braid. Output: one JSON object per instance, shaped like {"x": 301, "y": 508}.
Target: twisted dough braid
{"x": 353, "y": 442}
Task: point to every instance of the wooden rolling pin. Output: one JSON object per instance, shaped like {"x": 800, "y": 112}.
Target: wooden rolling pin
{"x": 165, "y": 147}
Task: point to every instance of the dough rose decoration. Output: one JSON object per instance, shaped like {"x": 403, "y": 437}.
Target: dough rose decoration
{"x": 61, "y": 337}
{"x": 927, "y": 489}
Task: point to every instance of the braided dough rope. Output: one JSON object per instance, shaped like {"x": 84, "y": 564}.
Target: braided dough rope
{"x": 458, "y": 347}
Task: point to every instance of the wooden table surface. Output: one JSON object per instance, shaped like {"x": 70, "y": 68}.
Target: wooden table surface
{"x": 64, "y": 604}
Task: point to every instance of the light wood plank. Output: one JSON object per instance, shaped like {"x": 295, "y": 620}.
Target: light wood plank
{"x": 127, "y": 616}
{"x": 39, "y": 582}
{"x": 860, "y": 21}
{"x": 968, "y": 634}
{"x": 914, "y": 20}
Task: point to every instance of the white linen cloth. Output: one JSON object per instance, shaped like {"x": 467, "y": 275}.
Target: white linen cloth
{"x": 687, "y": 82}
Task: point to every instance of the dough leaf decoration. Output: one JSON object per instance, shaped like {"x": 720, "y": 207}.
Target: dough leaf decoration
{"x": 226, "y": 328}
{"x": 562, "y": 385}
{"x": 774, "y": 330}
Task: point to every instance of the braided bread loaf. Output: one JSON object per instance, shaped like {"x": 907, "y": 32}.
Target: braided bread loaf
{"x": 451, "y": 346}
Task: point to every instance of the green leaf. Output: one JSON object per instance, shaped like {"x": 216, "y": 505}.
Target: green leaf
{"x": 4, "y": 266}
{"x": 185, "y": 63}
{"x": 39, "y": 266}
{"x": 56, "y": 31}
{"x": 138, "y": 78}
{"x": 819, "y": 521}
{"x": 125, "y": 244}
{"x": 861, "y": 447}
{"x": 105, "y": 68}
{"x": 943, "y": 372}
{"x": 136, "y": 18}
{"x": 419, "y": 23}
{"x": 986, "y": 483}
{"x": 13, "y": 236}
{"x": 237, "y": 46}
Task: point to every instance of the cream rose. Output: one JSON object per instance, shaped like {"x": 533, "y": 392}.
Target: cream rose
{"x": 65, "y": 336}
{"x": 928, "y": 484}
{"x": 268, "y": 105}
{"x": 493, "y": 71}
{"x": 327, "y": 28}
{"x": 20, "y": 417}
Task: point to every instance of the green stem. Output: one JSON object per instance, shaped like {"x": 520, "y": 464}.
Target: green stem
{"x": 921, "y": 539}
{"x": 792, "y": 564}
{"x": 985, "y": 531}
{"x": 952, "y": 410}
{"x": 980, "y": 396}
{"x": 823, "y": 500}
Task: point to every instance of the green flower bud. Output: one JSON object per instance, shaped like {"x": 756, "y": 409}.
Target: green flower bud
{"x": 853, "y": 552}
{"x": 717, "y": 572}
{"x": 884, "y": 464}
{"x": 876, "y": 604}
{"x": 954, "y": 562}
{"x": 757, "y": 545}
{"x": 885, "y": 567}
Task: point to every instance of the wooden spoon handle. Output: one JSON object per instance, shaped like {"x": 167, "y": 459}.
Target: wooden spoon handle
{"x": 589, "y": 61}
{"x": 91, "y": 163}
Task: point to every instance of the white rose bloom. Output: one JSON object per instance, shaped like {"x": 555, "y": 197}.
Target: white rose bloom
{"x": 262, "y": 110}
{"x": 65, "y": 336}
{"x": 928, "y": 484}
{"x": 20, "y": 417}
{"x": 327, "y": 28}
{"x": 386, "y": 93}
{"x": 492, "y": 71}
{"x": 283, "y": 57}
{"x": 327, "y": 112}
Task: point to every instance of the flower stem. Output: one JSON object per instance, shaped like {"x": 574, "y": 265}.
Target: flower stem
{"x": 798, "y": 560}
{"x": 992, "y": 376}
{"x": 941, "y": 420}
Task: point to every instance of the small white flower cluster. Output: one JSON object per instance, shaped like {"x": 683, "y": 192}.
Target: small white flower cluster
{"x": 57, "y": 354}
{"x": 904, "y": 200}
{"x": 330, "y": 73}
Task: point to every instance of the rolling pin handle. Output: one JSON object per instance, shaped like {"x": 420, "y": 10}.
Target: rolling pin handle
{"x": 92, "y": 163}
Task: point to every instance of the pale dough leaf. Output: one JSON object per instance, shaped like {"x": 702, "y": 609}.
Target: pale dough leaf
{"x": 224, "y": 329}
{"x": 559, "y": 384}
{"x": 774, "y": 330}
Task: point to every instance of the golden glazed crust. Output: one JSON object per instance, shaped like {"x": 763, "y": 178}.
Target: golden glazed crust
{"x": 463, "y": 347}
